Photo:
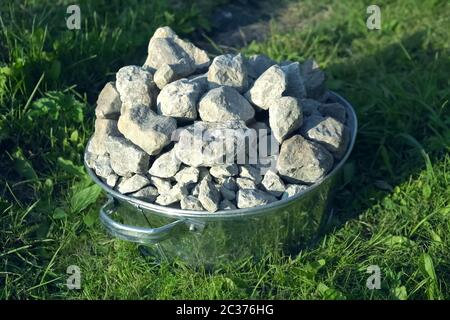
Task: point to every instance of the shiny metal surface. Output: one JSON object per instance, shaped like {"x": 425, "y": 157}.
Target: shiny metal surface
{"x": 203, "y": 238}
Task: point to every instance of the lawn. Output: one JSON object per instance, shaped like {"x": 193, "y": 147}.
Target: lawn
{"x": 393, "y": 209}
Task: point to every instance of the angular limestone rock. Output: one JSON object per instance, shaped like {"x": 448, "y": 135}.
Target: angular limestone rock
{"x": 248, "y": 198}
{"x": 245, "y": 183}
{"x": 135, "y": 86}
{"x": 112, "y": 179}
{"x": 146, "y": 129}
{"x": 250, "y": 172}
{"x": 273, "y": 184}
{"x": 174, "y": 195}
{"x": 227, "y": 205}
{"x": 102, "y": 166}
{"x": 187, "y": 175}
{"x": 126, "y": 158}
{"x": 104, "y": 128}
{"x": 224, "y": 170}
{"x": 165, "y": 47}
{"x": 168, "y": 73}
{"x": 108, "y": 103}
{"x": 224, "y": 104}
{"x": 208, "y": 195}
{"x": 285, "y": 116}
{"x": 148, "y": 194}
{"x": 228, "y": 182}
{"x": 205, "y": 144}
{"x": 191, "y": 203}
{"x": 295, "y": 83}
{"x": 329, "y": 132}
{"x": 227, "y": 193}
{"x": 228, "y": 70}
{"x": 166, "y": 165}
{"x": 163, "y": 185}
{"x": 293, "y": 189}
{"x": 303, "y": 161}
{"x": 179, "y": 100}
{"x": 133, "y": 184}
{"x": 270, "y": 85}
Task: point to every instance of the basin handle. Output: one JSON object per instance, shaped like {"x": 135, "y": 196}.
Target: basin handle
{"x": 132, "y": 233}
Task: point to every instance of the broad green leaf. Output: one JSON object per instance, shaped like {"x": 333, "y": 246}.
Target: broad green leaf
{"x": 90, "y": 218}
{"x": 70, "y": 167}
{"x": 83, "y": 198}
{"x": 426, "y": 191}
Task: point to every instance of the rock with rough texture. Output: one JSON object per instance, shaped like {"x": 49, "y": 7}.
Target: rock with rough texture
{"x": 257, "y": 64}
{"x": 228, "y": 182}
{"x": 168, "y": 73}
{"x": 224, "y": 104}
{"x": 228, "y": 70}
{"x": 108, "y": 103}
{"x": 273, "y": 184}
{"x": 226, "y": 205}
{"x": 146, "y": 129}
{"x": 245, "y": 183}
{"x": 135, "y": 86}
{"x": 126, "y": 158}
{"x": 208, "y": 195}
{"x": 329, "y": 132}
{"x": 111, "y": 180}
{"x": 201, "y": 80}
{"x": 205, "y": 144}
{"x": 293, "y": 189}
{"x": 224, "y": 170}
{"x": 314, "y": 80}
{"x": 179, "y": 100}
{"x": 270, "y": 85}
{"x": 310, "y": 107}
{"x": 191, "y": 203}
{"x": 335, "y": 110}
{"x": 104, "y": 128}
{"x": 303, "y": 161}
{"x": 174, "y": 195}
{"x": 295, "y": 86}
{"x": 248, "y": 198}
{"x": 163, "y": 185}
{"x": 165, "y": 51}
{"x": 148, "y": 194}
{"x": 187, "y": 175}
{"x": 285, "y": 116}
{"x": 132, "y": 184}
{"x": 250, "y": 172}
{"x": 195, "y": 190}
{"x": 166, "y": 165}
{"x": 227, "y": 193}
{"x": 165, "y": 47}
{"x": 102, "y": 166}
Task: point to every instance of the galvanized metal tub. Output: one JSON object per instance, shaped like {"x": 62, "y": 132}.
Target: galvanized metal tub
{"x": 208, "y": 239}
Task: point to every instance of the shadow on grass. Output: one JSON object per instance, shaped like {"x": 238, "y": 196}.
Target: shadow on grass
{"x": 397, "y": 94}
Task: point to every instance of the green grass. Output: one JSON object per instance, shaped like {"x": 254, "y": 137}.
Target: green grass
{"x": 393, "y": 210}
